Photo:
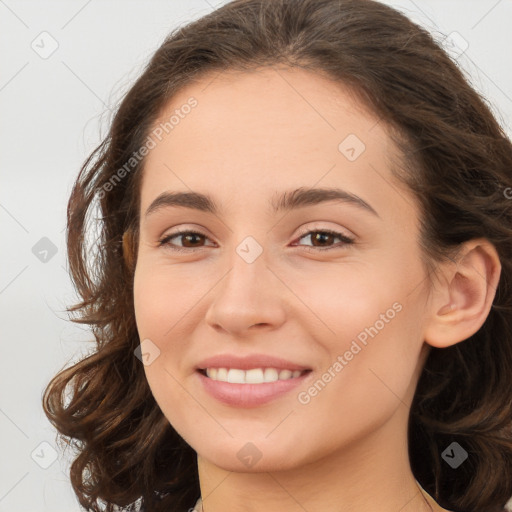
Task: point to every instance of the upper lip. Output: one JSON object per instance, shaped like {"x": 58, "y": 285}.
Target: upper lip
{"x": 248, "y": 362}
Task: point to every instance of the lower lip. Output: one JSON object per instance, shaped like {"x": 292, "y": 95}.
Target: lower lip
{"x": 249, "y": 395}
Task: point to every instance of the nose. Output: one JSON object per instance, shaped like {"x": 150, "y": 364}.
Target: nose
{"x": 247, "y": 299}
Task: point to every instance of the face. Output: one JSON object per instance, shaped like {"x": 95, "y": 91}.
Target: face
{"x": 334, "y": 288}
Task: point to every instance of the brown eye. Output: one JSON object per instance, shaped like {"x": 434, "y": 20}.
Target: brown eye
{"x": 321, "y": 239}
{"x": 190, "y": 240}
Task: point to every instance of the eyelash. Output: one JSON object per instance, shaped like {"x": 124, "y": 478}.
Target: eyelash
{"x": 165, "y": 240}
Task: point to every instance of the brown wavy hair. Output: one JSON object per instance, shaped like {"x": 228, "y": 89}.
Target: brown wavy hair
{"x": 455, "y": 157}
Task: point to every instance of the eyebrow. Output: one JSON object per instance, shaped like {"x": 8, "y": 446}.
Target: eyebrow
{"x": 286, "y": 201}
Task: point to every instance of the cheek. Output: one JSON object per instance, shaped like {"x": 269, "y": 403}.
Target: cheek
{"x": 157, "y": 312}
{"x": 362, "y": 385}
{"x": 344, "y": 300}
{"x": 167, "y": 308}
{"x": 368, "y": 335}
{"x": 163, "y": 297}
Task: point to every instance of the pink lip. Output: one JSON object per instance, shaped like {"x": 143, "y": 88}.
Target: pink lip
{"x": 248, "y": 362}
{"x": 248, "y": 395}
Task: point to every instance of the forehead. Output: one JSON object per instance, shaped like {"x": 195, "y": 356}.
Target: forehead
{"x": 254, "y": 133}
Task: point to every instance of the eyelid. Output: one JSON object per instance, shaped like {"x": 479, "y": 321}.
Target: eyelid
{"x": 190, "y": 228}
{"x": 346, "y": 240}
{"x": 340, "y": 231}
{"x": 163, "y": 240}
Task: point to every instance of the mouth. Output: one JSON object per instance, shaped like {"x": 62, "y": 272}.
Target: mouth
{"x": 252, "y": 387}
{"x": 251, "y": 376}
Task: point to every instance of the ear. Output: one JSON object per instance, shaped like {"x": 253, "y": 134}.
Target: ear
{"x": 129, "y": 249}
{"x": 462, "y": 299}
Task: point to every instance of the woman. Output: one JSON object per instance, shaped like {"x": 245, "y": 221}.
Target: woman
{"x": 301, "y": 295}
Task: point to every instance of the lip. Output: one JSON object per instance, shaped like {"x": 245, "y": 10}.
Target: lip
{"x": 249, "y": 395}
{"x": 248, "y": 362}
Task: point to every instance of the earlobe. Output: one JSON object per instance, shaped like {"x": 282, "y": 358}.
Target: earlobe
{"x": 460, "y": 306}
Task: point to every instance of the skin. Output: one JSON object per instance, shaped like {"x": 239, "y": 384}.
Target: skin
{"x": 250, "y": 136}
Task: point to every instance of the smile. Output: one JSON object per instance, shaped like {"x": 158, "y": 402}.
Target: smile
{"x": 252, "y": 376}
{"x": 249, "y": 388}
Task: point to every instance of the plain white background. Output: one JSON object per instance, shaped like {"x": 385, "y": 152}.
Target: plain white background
{"x": 55, "y": 109}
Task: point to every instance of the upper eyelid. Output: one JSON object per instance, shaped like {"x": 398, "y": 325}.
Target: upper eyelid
{"x": 204, "y": 232}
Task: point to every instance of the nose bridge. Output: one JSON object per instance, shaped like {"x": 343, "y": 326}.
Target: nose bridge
{"x": 245, "y": 296}
{"x": 248, "y": 265}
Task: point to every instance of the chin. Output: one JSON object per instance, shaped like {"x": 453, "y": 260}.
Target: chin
{"x": 264, "y": 465}
{"x": 245, "y": 456}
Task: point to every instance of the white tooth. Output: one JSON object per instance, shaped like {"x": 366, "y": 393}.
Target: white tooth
{"x": 271, "y": 375}
{"x": 236, "y": 376}
{"x": 254, "y": 376}
{"x": 211, "y": 372}
{"x": 285, "y": 374}
{"x": 222, "y": 374}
